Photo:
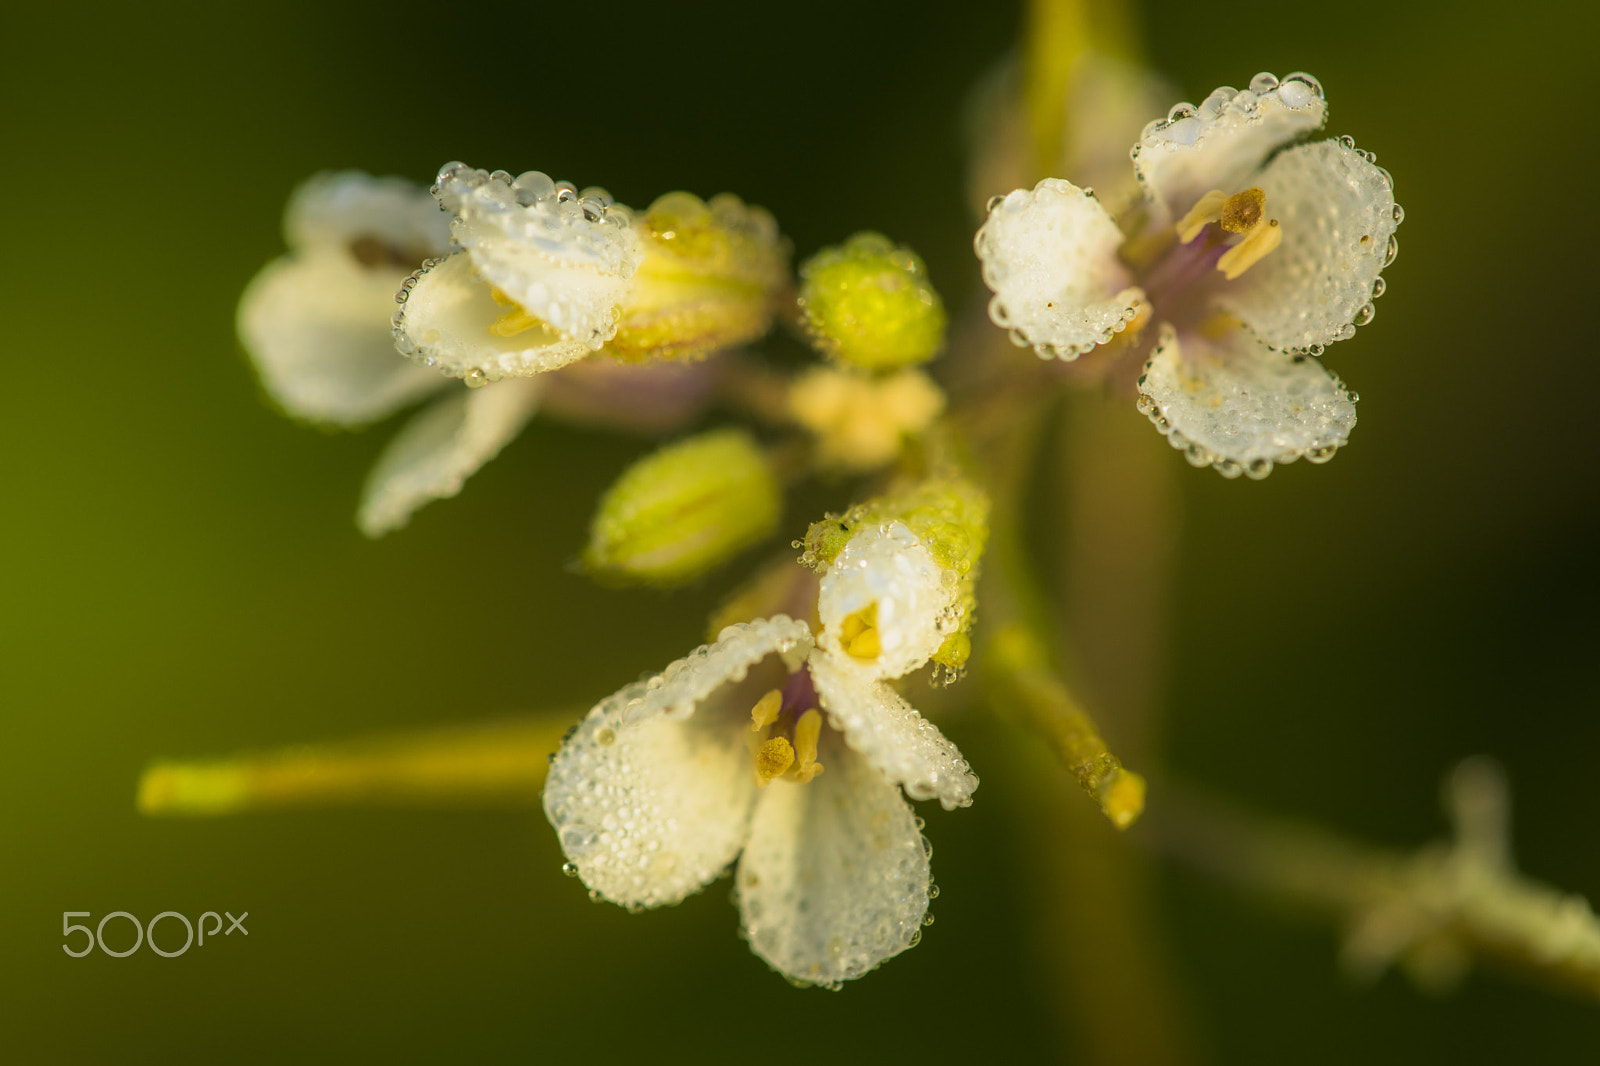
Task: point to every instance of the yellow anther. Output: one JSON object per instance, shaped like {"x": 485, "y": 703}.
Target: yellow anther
{"x": 1203, "y": 213}
{"x": 807, "y": 731}
{"x": 772, "y": 760}
{"x": 765, "y": 712}
{"x": 515, "y": 321}
{"x": 1243, "y": 210}
{"x": 858, "y": 633}
{"x": 1261, "y": 240}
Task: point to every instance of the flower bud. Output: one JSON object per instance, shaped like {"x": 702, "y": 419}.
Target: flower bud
{"x": 709, "y": 278}
{"x": 868, "y": 303}
{"x": 684, "y": 509}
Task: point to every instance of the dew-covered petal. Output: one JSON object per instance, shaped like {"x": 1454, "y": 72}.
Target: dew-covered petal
{"x": 342, "y": 208}
{"x": 316, "y": 326}
{"x": 1220, "y": 144}
{"x": 1338, "y": 216}
{"x": 649, "y": 800}
{"x": 888, "y": 569}
{"x": 444, "y": 321}
{"x": 1240, "y": 406}
{"x": 902, "y": 745}
{"x": 835, "y": 878}
{"x": 1050, "y": 256}
{"x": 650, "y": 811}
{"x": 565, "y": 257}
{"x": 443, "y": 445}
{"x": 679, "y": 689}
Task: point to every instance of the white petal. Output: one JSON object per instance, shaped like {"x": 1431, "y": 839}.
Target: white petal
{"x": 338, "y": 208}
{"x": 887, "y": 565}
{"x": 653, "y": 810}
{"x": 1050, "y": 256}
{"x": 649, "y": 800}
{"x": 565, "y": 258}
{"x": 1338, "y": 216}
{"x": 1219, "y": 144}
{"x": 434, "y": 453}
{"x": 835, "y": 878}
{"x": 444, "y": 319}
{"x": 905, "y": 747}
{"x": 1240, "y": 406}
{"x": 680, "y": 687}
{"x": 316, "y": 326}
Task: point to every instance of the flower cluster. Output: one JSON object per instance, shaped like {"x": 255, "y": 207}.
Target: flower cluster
{"x": 784, "y": 744}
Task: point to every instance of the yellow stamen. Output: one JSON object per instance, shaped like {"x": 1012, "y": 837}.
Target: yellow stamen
{"x": 1261, "y": 240}
{"x": 858, "y": 633}
{"x": 1242, "y": 211}
{"x": 772, "y": 760}
{"x": 765, "y": 712}
{"x": 1203, "y": 213}
{"x": 515, "y": 321}
{"x": 806, "y": 733}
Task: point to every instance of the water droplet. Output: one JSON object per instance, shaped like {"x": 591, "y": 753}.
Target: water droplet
{"x": 1393, "y": 250}
{"x": 1264, "y": 82}
{"x": 933, "y": 890}
{"x": 570, "y": 869}
{"x": 914, "y": 939}
{"x": 1364, "y": 315}
{"x": 1399, "y": 214}
{"x": 1377, "y": 288}
{"x": 928, "y": 920}
{"x": 1259, "y": 468}
{"x": 605, "y": 736}
{"x": 475, "y": 378}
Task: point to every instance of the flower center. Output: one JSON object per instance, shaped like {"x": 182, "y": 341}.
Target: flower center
{"x": 785, "y": 727}
{"x": 515, "y": 321}
{"x": 1243, "y": 214}
{"x": 858, "y": 633}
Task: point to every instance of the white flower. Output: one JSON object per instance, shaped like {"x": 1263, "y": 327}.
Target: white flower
{"x": 545, "y": 275}
{"x": 789, "y": 750}
{"x": 1250, "y": 253}
{"x": 316, "y": 323}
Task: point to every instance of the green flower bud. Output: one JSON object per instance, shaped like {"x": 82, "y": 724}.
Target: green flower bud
{"x": 868, "y": 303}
{"x": 683, "y": 510}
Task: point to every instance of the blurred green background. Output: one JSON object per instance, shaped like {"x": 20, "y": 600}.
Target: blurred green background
{"x": 182, "y": 576}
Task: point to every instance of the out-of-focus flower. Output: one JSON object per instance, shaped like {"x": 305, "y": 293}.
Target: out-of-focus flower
{"x": 316, "y": 323}
{"x": 1249, "y": 253}
{"x": 787, "y": 748}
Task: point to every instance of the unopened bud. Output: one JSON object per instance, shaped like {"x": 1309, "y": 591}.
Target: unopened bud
{"x": 684, "y": 509}
{"x": 709, "y": 279}
{"x": 868, "y": 303}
